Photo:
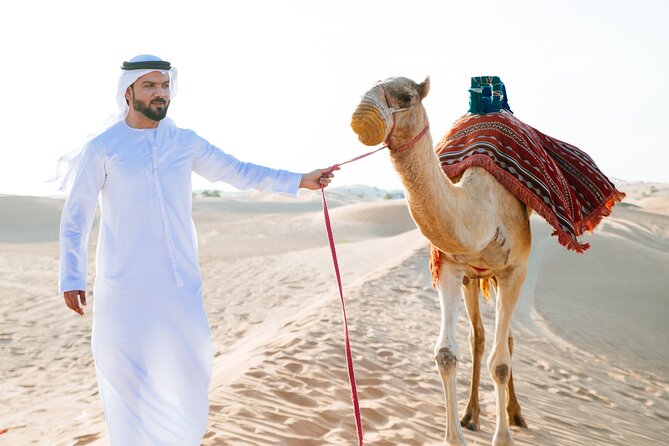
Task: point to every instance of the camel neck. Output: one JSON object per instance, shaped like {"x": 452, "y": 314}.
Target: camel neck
{"x": 420, "y": 171}
{"x": 430, "y": 195}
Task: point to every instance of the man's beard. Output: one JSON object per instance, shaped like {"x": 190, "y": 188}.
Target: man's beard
{"x": 146, "y": 110}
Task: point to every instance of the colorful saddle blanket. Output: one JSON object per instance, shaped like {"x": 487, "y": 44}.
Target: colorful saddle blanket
{"x": 557, "y": 180}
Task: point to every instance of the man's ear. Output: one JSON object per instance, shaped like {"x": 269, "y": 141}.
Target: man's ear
{"x": 424, "y": 88}
{"x": 128, "y": 94}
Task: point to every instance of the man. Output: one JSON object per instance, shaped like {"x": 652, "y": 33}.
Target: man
{"x": 151, "y": 340}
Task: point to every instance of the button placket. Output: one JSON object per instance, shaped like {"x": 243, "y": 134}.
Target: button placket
{"x": 163, "y": 213}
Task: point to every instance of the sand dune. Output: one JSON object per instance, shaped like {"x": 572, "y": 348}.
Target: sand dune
{"x": 29, "y": 219}
{"x": 590, "y": 363}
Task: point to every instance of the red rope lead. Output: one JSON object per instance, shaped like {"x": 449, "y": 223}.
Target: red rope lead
{"x": 349, "y": 356}
{"x": 328, "y": 226}
{"x": 364, "y": 155}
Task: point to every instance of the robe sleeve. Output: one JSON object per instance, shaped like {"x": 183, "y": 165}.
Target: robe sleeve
{"x": 77, "y": 219}
{"x": 215, "y": 165}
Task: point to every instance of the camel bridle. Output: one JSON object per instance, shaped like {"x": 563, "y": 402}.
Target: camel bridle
{"x": 391, "y": 111}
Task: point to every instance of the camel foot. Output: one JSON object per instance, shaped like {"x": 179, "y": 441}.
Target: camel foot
{"x": 502, "y": 439}
{"x": 470, "y": 422}
{"x": 454, "y": 437}
{"x": 517, "y": 420}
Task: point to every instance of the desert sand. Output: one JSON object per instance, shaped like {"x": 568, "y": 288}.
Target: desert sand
{"x": 591, "y": 362}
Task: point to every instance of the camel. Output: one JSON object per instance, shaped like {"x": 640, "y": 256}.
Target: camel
{"x": 483, "y": 233}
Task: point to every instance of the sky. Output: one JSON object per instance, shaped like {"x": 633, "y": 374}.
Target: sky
{"x": 276, "y": 82}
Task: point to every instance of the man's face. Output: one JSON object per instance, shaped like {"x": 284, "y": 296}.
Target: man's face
{"x": 150, "y": 95}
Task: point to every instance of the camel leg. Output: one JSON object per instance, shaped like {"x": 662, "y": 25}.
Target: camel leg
{"x": 470, "y": 293}
{"x": 512, "y": 406}
{"x": 499, "y": 362}
{"x": 446, "y": 350}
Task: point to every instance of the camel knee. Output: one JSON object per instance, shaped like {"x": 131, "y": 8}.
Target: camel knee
{"x": 500, "y": 371}
{"x": 447, "y": 360}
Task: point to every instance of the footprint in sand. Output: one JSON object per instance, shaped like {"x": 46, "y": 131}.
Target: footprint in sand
{"x": 307, "y": 428}
{"x": 385, "y": 353}
{"x": 594, "y": 396}
{"x": 294, "y": 367}
{"x": 371, "y": 393}
{"x": 661, "y": 416}
{"x": 86, "y": 439}
{"x": 331, "y": 416}
{"x": 638, "y": 398}
{"x": 296, "y": 398}
{"x": 258, "y": 374}
{"x": 372, "y": 415}
{"x": 600, "y": 429}
{"x": 215, "y": 408}
{"x": 543, "y": 365}
{"x": 5, "y": 338}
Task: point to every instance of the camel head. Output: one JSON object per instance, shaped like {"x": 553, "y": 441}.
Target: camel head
{"x": 373, "y": 119}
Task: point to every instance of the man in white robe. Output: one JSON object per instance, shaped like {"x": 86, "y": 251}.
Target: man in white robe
{"x": 151, "y": 339}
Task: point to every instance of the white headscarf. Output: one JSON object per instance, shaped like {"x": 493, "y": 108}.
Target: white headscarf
{"x": 128, "y": 77}
{"x": 68, "y": 164}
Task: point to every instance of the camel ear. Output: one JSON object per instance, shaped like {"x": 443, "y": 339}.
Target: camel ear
{"x": 424, "y": 87}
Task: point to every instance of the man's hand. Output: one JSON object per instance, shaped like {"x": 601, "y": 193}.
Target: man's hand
{"x": 317, "y": 179}
{"x": 72, "y": 300}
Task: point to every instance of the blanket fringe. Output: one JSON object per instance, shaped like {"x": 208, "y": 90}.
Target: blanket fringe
{"x": 435, "y": 263}
{"x": 592, "y": 221}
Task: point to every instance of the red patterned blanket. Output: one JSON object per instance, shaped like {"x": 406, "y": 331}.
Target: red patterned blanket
{"x": 557, "y": 180}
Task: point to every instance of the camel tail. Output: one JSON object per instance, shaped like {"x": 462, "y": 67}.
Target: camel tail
{"x": 485, "y": 286}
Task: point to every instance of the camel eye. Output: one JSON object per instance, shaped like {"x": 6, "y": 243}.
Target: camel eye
{"x": 405, "y": 98}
